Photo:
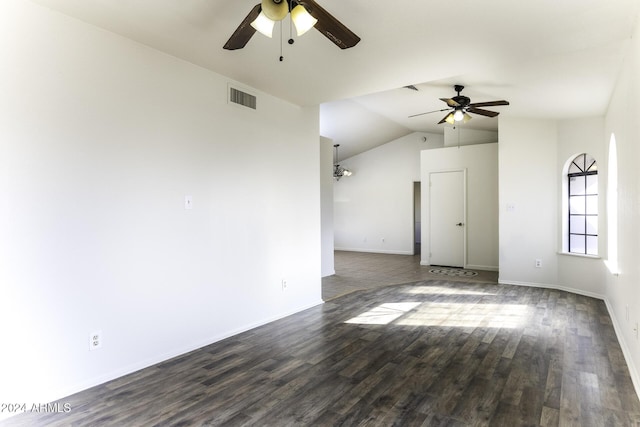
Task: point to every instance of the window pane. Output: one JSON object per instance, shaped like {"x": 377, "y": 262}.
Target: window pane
{"x": 592, "y": 245}
{"x": 576, "y": 224}
{"x": 577, "y": 205}
{"x": 590, "y": 164}
{"x": 592, "y": 225}
{"x": 592, "y": 184}
{"x": 576, "y": 185}
{"x": 573, "y": 168}
{"x": 577, "y": 244}
{"x": 592, "y": 205}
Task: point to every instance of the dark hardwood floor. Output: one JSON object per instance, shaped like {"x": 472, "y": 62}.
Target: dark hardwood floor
{"x": 433, "y": 353}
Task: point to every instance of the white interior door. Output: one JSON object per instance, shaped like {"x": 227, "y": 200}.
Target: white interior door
{"x": 447, "y": 218}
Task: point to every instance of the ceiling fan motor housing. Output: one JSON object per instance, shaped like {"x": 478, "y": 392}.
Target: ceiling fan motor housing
{"x": 462, "y": 100}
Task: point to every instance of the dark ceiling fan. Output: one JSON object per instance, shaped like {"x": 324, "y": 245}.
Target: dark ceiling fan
{"x": 459, "y": 106}
{"x": 303, "y": 10}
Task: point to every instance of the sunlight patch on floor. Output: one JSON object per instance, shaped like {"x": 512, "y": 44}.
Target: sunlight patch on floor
{"x": 462, "y": 315}
{"x": 441, "y": 290}
{"x": 384, "y": 313}
{"x": 468, "y": 315}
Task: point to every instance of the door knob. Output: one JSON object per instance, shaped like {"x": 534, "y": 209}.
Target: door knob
{"x": 460, "y": 224}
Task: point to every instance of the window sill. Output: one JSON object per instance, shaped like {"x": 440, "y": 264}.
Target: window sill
{"x": 580, "y": 255}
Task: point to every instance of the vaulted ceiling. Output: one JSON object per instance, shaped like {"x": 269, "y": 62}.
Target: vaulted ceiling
{"x": 549, "y": 58}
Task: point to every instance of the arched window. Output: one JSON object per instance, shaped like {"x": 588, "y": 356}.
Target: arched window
{"x": 583, "y": 205}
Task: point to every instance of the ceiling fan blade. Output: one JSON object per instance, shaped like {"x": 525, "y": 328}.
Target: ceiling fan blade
{"x": 428, "y": 112}
{"x": 444, "y": 119}
{"x": 244, "y": 32}
{"x": 450, "y": 102}
{"x": 482, "y": 112}
{"x": 329, "y": 26}
{"x": 489, "y": 104}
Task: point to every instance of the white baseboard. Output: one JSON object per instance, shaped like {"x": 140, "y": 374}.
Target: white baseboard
{"x": 482, "y": 267}
{"x": 547, "y": 285}
{"x": 374, "y": 251}
{"x": 469, "y": 267}
{"x": 330, "y": 273}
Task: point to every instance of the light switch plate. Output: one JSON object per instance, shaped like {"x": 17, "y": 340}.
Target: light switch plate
{"x": 188, "y": 202}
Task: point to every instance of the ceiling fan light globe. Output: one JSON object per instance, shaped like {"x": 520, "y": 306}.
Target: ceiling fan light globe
{"x": 458, "y": 115}
{"x": 302, "y": 19}
{"x": 275, "y": 11}
{"x": 263, "y": 25}
{"x": 449, "y": 119}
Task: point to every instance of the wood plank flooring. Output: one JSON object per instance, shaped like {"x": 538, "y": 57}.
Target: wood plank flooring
{"x": 431, "y": 353}
{"x": 360, "y": 270}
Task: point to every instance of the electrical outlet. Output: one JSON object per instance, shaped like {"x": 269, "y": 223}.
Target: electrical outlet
{"x": 95, "y": 340}
{"x": 538, "y": 263}
{"x": 284, "y": 284}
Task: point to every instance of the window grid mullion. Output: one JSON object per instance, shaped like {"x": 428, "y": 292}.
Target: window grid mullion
{"x": 584, "y": 172}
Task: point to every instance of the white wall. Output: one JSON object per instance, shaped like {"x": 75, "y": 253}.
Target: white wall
{"x": 481, "y": 164}
{"x": 532, "y": 227}
{"x": 575, "y": 137}
{"x": 326, "y": 205}
{"x": 528, "y": 200}
{"x": 623, "y": 291}
{"x": 376, "y": 202}
{"x": 100, "y": 141}
{"x": 461, "y": 135}
{"x": 532, "y": 154}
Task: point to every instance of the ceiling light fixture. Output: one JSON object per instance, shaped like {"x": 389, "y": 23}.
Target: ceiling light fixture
{"x": 263, "y": 25}
{"x": 339, "y": 172}
{"x": 277, "y": 10}
{"x": 302, "y": 19}
{"x": 305, "y": 14}
{"x": 459, "y": 115}
{"x": 459, "y": 106}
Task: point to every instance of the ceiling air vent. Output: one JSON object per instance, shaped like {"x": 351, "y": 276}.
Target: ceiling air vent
{"x": 236, "y": 96}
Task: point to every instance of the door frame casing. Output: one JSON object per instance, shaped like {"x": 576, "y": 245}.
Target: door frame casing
{"x": 417, "y": 208}
{"x": 426, "y": 213}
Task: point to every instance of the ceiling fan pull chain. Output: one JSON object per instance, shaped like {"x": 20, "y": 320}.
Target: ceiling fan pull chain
{"x": 281, "y": 36}
{"x": 290, "y": 26}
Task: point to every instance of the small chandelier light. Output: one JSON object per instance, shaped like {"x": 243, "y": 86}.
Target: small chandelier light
{"x": 339, "y": 172}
